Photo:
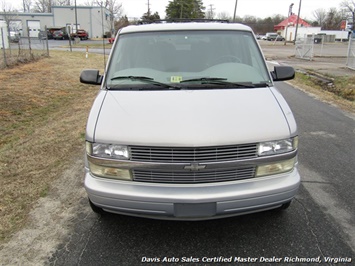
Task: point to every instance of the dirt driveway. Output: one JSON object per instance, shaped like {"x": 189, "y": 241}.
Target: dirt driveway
{"x": 49, "y": 221}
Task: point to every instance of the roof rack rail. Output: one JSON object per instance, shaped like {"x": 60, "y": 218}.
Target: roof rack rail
{"x": 182, "y": 20}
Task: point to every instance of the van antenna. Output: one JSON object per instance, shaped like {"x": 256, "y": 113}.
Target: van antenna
{"x": 103, "y": 35}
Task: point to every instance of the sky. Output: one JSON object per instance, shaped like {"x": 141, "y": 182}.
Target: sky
{"x": 257, "y": 8}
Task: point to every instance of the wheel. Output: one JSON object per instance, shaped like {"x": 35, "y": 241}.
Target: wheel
{"x": 96, "y": 209}
{"x": 285, "y": 205}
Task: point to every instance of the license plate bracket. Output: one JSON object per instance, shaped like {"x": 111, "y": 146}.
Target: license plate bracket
{"x": 195, "y": 209}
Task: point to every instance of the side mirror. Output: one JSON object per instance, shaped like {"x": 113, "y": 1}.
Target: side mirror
{"x": 90, "y": 76}
{"x": 281, "y": 73}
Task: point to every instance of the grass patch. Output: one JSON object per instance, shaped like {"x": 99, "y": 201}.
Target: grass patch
{"x": 339, "y": 90}
{"x": 343, "y": 86}
{"x": 83, "y": 45}
{"x": 43, "y": 110}
{"x": 14, "y": 57}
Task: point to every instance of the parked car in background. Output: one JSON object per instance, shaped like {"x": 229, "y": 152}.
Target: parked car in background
{"x": 280, "y": 38}
{"x": 14, "y": 36}
{"x": 272, "y": 36}
{"x": 82, "y": 34}
{"x": 60, "y": 35}
{"x": 42, "y": 35}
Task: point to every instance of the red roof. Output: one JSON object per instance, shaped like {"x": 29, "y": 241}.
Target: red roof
{"x": 291, "y": 20}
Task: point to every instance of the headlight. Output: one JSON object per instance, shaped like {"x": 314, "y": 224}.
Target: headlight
{"x": 276, "y": 168}
{"x": 277, "y": 146}
{"x": 101, "y": 152}
{"x": 110, "y": 172}
{"x": 110, "y": 151}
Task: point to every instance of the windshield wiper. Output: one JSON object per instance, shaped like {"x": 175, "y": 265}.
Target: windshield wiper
{"x": 147, "y": 80}
{"x": 219, "y": 81}
{"x": 202, "y": 79}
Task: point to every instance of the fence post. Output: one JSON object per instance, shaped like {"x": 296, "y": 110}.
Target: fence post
{"x": 29, "y": 43}
{"x": 45, "y": 29}
{"x": 69, "y": 37}
{"x": 350, "y": 61}
{"x": 3, "y": 46}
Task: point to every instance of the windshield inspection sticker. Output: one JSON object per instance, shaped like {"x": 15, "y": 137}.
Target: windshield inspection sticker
{"x": 175, "y": 79}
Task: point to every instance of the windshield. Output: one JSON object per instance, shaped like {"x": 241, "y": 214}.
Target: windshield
{"x": 191, "y": 59}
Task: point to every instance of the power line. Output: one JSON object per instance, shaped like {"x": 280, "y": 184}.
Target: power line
{"x": 148, "y": 12}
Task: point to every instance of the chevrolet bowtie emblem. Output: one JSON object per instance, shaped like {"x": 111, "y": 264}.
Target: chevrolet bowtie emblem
{"x": 195, "y": 167}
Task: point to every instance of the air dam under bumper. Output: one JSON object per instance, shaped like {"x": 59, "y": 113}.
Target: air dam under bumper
{"x": 192, "y": 202}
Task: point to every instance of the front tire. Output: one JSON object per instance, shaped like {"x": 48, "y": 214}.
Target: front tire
{"x": 285, "y": 205}
{"x": 96, "y": 209}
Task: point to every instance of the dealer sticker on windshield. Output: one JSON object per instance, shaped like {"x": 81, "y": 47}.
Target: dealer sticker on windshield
{"x": 175, "y": 79}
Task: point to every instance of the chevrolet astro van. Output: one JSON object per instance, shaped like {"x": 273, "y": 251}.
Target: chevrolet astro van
{"x": 188, "y": 125}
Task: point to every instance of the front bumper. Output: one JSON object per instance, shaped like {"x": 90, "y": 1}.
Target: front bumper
{"x": 192, "y": 201}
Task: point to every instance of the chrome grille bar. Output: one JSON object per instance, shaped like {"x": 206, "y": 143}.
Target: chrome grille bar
{"x": 198, "y": 154}
{"x": 187, "y": 177}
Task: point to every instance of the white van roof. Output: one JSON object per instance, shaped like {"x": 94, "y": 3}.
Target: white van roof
{"x": 185, "y": 26}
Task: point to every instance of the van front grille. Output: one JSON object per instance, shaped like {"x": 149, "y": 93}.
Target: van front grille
{"x": 194, "y": 154}
{"x": 188, "y": 177}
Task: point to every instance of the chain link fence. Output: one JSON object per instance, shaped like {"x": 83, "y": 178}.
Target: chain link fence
{"x": 21, "y": 50}
{"x": 304, "y": 48}
{"x": 318, "y": 46}
{"x": 350, "y": 63}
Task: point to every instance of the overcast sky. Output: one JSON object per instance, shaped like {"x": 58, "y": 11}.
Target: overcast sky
{"x": 258, "y": 8}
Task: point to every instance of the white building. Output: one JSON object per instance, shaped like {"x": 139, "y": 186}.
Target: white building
{"x": 4, "y": 42}
{"x": 89, "y": 18}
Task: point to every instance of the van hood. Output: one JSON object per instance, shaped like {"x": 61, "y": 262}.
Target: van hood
{"x": 190, "y": 117}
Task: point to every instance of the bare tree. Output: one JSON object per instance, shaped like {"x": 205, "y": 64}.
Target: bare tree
{"x": 349, "y": 8}
{"x": 45, "y": 6}
{"x": 224, "y": 16}
{"x": 320, "y": 15}
{"x": 8, "y": 14}
{"x": 64, "y": 3}
{"x": 27, "y": 4}
{"x": 114, "y": 12}
{"x": 42, "y": 6}
{"x": 90, "y": 3}
{"x": 210, "y": 14}
{"x": 333, "y": 19}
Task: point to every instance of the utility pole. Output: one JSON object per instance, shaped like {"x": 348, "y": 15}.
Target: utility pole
{"x": 181, "y": 8}
{"x": 148, "y": 13}
{"x": 211, "y": 11}
{"x": 288, "y": 18}
{"x": 76, "y": 19}
{"x": 298, "y": 18}
{"x": 235, "y": 9}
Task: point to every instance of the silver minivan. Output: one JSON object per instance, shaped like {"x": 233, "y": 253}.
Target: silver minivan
{"x": 188, "y": 125}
